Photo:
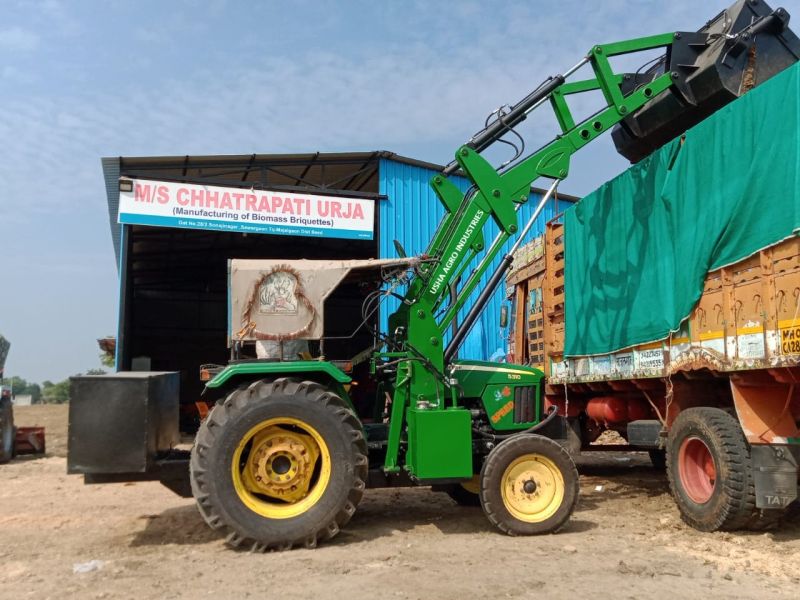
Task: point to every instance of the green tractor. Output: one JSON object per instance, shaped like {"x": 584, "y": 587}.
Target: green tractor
{"x": 288, "y": 449}
{"x": 285, "y": 455}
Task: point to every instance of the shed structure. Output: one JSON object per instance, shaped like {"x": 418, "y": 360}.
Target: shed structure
{"x": 173, "y": 305}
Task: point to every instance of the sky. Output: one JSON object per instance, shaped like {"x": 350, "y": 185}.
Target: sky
{"x": 84, "y": 79}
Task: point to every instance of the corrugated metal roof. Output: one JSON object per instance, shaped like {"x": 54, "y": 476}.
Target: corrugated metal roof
{"x": 411, "y": 215}
{"x": 111, "y": 176}
{"x": 206, "y": 165}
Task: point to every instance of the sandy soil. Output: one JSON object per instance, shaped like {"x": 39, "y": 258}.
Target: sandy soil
{"x": 625, "y": 540}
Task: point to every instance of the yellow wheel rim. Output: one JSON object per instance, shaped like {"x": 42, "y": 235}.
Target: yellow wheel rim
{"x": 532, "y": 488}
{"x": 281, "y": 468}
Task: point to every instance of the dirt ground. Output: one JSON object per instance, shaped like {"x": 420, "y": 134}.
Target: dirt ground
{"x": 625, "y": 540}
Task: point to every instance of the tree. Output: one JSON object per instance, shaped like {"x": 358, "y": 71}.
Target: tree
{"x": 108, "y": 345}
{"x": 55, "y": 393}
{"x": 58, "y": 393}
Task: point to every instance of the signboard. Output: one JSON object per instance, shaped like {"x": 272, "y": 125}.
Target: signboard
{"x": 193, "y": 206}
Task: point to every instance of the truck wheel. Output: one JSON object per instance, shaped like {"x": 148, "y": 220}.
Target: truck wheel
{"x": 529, "y": 486}
{"x": 279, "y": 464}
{"x": 6, "y": 431}
{"x": 466, "y": 493}
{"x": 708, "y": 467}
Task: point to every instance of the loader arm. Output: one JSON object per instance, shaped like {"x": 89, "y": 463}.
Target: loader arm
{"x": 417, "y": 329}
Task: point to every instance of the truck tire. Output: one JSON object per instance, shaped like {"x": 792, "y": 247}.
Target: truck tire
{"x": 708, "y": 467}
{"x": 529, "y": 486}
{"x": 6, "y": 431}
{"x": 279, "y": 464}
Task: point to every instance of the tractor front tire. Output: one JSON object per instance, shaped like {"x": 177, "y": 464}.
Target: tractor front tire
{"x": 6, "y": 431}
{"x": 708, "y": 467}
{"x": 529, "y": 486}
{"x": 279, "y": 464}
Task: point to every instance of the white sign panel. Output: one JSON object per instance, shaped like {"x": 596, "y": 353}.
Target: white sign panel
{"x": 193, "y": 206}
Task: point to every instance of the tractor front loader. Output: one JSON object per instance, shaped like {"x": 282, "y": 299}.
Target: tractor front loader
{"x": 288, "y": 448}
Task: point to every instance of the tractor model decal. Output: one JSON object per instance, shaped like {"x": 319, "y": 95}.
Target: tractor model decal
{"x": 504, "y": 410}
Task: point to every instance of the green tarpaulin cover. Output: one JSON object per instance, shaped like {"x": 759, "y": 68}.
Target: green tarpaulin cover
{"x": 639, "y": 247}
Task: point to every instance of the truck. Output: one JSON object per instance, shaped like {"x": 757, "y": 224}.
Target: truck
{"x": 290, "y": 436}
{"x": 715, "y": 397}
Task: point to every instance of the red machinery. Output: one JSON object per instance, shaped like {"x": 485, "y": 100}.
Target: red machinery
{"x": 14, "y": 440}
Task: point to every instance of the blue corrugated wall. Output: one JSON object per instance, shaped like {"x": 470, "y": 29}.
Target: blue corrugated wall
{"x": 411, "y": 214}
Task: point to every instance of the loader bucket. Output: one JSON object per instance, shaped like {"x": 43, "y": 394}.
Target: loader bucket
{"x": 737, "y": 50}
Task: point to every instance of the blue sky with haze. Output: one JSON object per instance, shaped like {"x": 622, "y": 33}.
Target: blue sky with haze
{"x": 86, "y": 79}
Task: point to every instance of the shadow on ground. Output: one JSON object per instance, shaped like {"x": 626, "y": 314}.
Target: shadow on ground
{"x": 181, "y": 525}
{"x": 386, "y": 512}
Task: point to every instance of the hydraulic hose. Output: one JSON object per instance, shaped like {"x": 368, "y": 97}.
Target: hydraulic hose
{"x": 540, "y": 425}
{"x": 518, "y": 113}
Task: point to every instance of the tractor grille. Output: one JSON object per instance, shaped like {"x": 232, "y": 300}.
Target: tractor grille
{"x": 524, "y": 404}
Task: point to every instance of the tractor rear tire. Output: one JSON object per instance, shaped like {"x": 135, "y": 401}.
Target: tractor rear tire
{"x": 529, "y": 486}
{"x": 708, "y": 467}
{"x": 279, "y": 464}
{"x": 6, "y": 431}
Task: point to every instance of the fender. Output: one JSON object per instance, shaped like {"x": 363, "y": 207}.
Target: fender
{"x": 298, "y": 367}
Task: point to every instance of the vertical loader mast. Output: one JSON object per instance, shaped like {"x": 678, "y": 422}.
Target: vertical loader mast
{"x": 417, "y": 329}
